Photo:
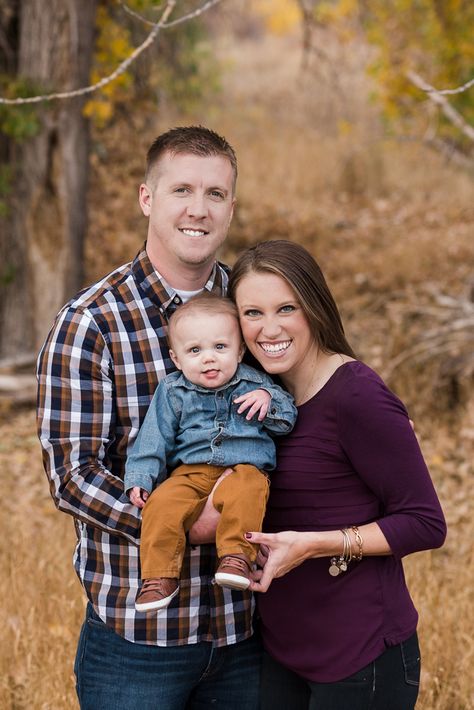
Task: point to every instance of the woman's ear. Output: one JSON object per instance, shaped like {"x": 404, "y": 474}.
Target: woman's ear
{"x": 175, "y": 359}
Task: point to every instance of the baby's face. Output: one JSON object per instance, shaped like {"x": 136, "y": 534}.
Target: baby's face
{"x": 207, "y": 348}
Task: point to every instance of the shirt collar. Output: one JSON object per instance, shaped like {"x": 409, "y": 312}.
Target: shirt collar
{"x": 159, "y": 291}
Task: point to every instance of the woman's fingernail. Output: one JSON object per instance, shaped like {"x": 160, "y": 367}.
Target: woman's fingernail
{"x": 248, "y": 535}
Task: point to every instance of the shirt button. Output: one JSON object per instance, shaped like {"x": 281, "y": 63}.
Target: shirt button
{"x": 218, "y": 443}
{"x": 273, "y": 411}
{"x": 176, "y": 299}
{"x": 220, "y": 395}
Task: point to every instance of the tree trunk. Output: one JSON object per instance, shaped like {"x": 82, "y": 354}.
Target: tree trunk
{"x": 42, "y": 247}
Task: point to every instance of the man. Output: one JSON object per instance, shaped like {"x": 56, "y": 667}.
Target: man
{"x": 97, "y": 372}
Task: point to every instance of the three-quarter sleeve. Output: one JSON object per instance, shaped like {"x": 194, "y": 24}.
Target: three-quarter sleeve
{"x": 377, "y": 437}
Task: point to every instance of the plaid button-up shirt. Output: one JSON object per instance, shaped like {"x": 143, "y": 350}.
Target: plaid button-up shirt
{"x": 97, "y": 373}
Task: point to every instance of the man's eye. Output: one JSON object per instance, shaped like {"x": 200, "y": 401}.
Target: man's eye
{"x": 181, "y": 189}
{"x": 217, "y": 193}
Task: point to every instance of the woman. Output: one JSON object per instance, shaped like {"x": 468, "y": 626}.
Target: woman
{"x": 350, "y": 497}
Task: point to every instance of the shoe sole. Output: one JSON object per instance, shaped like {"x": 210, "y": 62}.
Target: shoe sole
{"x": 233, "y": 581}
{"x": 153, "y": 606}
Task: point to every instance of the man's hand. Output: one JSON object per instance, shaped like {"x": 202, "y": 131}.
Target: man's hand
{"x": 257, "y": 400}
{"x": 204, "y": 529}
{"x": 138, "y": 496}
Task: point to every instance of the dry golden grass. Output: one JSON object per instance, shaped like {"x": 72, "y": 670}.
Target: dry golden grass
{"x": 385, "y": 220}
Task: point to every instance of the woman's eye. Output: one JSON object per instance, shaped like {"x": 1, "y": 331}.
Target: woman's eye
{"x": 251, "y": 312}
{"x": 287, "y": 309}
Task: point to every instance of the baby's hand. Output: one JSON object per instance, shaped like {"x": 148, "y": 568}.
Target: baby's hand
{"x": 138, "y": 496}
{"x": 257, "y": 400}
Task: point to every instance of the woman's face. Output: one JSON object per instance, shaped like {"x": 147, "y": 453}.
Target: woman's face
{"x": 274, "y": 325}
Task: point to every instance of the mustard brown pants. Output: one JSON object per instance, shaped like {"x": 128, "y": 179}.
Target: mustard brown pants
{"x": 175, "y": 505}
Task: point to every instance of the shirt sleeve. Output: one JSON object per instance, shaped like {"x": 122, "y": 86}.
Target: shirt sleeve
{"x": 76, "y": 425}
{"x": 146, "y": 464}
{"x": 378, "y": 439}
{"x": 282, "y": 413}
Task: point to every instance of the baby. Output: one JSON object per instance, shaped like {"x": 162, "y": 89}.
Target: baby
{"x": 212, "y": 414}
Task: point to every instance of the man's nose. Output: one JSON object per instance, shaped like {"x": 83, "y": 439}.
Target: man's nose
{"x": 197, "y": 207}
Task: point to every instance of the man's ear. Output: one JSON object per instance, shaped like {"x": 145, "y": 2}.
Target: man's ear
{"x": 145, "y": 198}
{"x": 175, "y": 359}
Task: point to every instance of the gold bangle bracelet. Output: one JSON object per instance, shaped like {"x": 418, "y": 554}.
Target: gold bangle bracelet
{"x": 360, "y": 543}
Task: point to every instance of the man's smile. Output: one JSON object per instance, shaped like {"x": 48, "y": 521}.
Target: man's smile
{"x": 193, "y": 232}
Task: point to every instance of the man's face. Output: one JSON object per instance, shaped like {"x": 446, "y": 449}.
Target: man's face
{"x": 189, "y": 201}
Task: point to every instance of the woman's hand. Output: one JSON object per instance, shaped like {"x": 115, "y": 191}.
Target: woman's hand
{"x": 278, "y": 554}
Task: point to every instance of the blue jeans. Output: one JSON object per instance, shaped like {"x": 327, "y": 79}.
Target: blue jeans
{"x": 390, "y": 682}
{"x": 115, "y": 674}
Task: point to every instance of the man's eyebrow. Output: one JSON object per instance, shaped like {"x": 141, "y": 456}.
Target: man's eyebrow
{"x": 183, "y": 183}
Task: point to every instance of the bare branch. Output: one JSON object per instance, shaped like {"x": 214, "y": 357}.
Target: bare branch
{"x": 173, "y": 23}
{"x": 161, "y": 24}
{"x": 459, "y": 90}
{"x": 451, "y": 114}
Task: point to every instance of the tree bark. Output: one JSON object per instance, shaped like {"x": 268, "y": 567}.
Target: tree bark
{"x": 42, "y": 246}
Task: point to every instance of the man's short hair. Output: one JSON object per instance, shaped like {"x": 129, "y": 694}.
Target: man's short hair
{"x": 207, "y": 303}
{"x": 196, "y": 140}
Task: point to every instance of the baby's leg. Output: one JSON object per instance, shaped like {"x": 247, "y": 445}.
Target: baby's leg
{"x": 241, "y": 500}
{"x": 168, "y": 513}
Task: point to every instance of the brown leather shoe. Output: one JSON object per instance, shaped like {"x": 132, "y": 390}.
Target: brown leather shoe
{"x": 233, "y": 572}
{"x": 156, "y": 593}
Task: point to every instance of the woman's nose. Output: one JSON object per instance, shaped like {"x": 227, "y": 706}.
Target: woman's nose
{"x": 271, "y": 328}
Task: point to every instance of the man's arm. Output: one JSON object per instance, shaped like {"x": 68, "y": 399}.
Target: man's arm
{"x": 76, "y": 425}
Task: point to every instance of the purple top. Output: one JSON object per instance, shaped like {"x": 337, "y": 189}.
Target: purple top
{"x": 352, "y": 458}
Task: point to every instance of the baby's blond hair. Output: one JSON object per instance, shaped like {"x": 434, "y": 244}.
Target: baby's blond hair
{"x": 207, "y": 303}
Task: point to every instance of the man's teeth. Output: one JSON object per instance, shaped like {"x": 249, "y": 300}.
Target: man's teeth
{"x": 194, "y": 232}
{"x": 275, "y": 347}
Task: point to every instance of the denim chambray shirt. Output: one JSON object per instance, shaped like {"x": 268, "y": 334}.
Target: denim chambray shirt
{"x": 187, "y": 424}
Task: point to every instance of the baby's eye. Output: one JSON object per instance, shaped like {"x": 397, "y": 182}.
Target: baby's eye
{"x": 220, "y": 346}
{"x": 194, "y": 350}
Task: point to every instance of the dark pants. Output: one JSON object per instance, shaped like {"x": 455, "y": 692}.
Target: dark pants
{"x": 114, "y": 674}
{"x": 390, "y": 682}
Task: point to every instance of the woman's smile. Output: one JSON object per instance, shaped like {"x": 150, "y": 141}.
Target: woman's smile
{"x": 275, "y": 349}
